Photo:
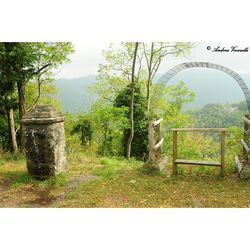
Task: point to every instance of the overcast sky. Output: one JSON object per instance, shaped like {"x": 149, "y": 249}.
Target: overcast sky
{"x": 88, "y": 55}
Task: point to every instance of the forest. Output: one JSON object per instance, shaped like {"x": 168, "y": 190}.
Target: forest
{"x": 108, "y": 148}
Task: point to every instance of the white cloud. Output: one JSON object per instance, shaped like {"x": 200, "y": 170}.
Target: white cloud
{"x": 88, "y": 56}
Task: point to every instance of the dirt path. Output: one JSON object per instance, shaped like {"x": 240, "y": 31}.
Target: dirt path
{"x": 37, "y": 197}
{"x": 73, "y": 184}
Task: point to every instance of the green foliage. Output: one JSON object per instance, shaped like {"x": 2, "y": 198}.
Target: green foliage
{"x": 206, "y": 147}
{"x": 217, "y": 116}
{"x": 31, "y": 64}
{"x": 109, "y": 123}
{"x": 84, "y": 127}
{"x": 233, "y": 145}
{"x": 241, "y": 106}
{"x": 4, "y": 134}
{"x": 72, "y": 141}
{"x": 168, "y": 101}
{"x": 115, "y": 74}
{"x": 198, "y": 146}
{"x": 48, "y": 95}
{"x": 140, "y": 140}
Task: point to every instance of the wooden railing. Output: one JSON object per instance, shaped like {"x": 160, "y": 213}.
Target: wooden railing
{"x": 177, "y": 161}
{"x": 243, "y": 162}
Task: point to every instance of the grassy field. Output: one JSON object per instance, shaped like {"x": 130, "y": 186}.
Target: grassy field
{"x": 109, "y": 182}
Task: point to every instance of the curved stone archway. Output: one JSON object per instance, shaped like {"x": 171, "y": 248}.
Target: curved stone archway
{"x": 173, "y": 71}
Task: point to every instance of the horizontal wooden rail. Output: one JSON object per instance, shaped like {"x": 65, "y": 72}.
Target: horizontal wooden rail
{"x": 245, "y": 146}
{"x": 157, "y": 122}
{"x": 199, "y": 129}
{"x": 158, "y": 144}
{"x": 194, "y": 162}
{"x": 246, "y": 120}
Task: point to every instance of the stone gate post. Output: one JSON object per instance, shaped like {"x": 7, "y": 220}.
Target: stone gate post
{"x": 44, "y": 142}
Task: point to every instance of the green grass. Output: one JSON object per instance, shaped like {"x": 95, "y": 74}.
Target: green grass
{"x": 113, "y": 166}
{"x": 121, "y": 183}
{"x": 25, "y": 178}
{"x": 59, "y": 180}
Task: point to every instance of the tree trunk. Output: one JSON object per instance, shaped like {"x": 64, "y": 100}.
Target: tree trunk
{"x": 12, "y": 132}
{"x": 131, "y": 115}
{"x": 149, "y": 76}
{"x": 21, "y": 103}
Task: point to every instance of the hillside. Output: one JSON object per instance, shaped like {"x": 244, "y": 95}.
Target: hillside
{"x": 74, "y": 93}
{"x": 210, "y": 86}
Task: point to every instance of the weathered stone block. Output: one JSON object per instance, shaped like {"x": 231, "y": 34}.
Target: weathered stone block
{"x": 44, "y": 142}
{"x": 243, "y": 168}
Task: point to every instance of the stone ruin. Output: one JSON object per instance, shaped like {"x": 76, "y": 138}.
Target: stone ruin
{"x": 44, "y": 142}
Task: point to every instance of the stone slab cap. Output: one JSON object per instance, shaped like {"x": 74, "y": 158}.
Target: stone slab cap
{"x": 42, "y": 114}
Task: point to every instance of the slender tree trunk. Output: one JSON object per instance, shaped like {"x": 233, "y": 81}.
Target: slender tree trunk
{"x": 21, "y": 103}
{"x": 12, "y": 132}
{"x": 149, "y": 76}
{"x": 131, "y": 115}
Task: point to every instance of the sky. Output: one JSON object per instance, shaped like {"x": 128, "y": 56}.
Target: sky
{"x": 88, "y": 55}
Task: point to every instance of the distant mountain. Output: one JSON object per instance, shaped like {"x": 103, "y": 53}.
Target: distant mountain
{"x": 209, "y": 85}
{"x": 74, "y": 93}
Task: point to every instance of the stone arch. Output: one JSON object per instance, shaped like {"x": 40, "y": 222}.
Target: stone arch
{"x": 173, "y": 71}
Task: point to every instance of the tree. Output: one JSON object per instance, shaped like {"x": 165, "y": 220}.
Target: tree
{"x": 7, "y": 98}
{"x": 131, "y": 109}
{"x": 108, "y": 125}
{"x": 139, "y": 143}
{"x": 168, "y": 102}
{"x": 84, "y": 127}
{"x": 154, "y": 55}
{"x": 117, "y": 72}
{"x": 35, "y": 60}
{"x": 123, "y": 67}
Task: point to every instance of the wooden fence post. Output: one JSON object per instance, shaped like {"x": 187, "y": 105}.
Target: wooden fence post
{"x": 222, "y": 152}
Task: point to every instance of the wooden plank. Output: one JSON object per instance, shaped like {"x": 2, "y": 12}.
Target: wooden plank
{"x": 199, "y": 129}
{"x": 174, "y": 152}
{"x": 245, "y": 146}
{"x": 195, "y": 162}
{"x": 158, "y": 144}
{"x": 246, "y": 120}
{"x": 157, "y": 122}
{"x": 222, "y": 152}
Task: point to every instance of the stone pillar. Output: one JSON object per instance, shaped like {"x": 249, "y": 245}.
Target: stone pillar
{"x": 44, "y": 142}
